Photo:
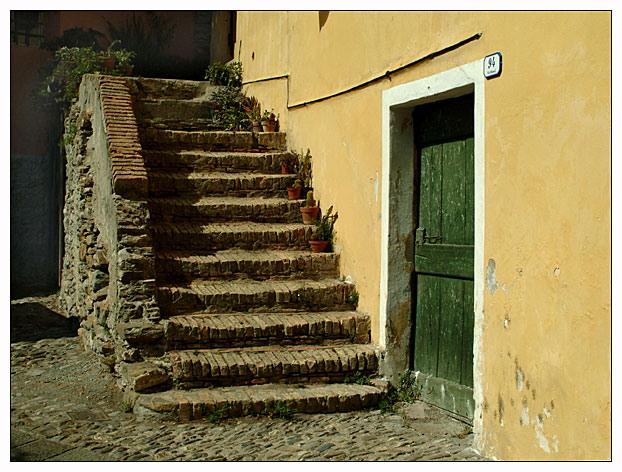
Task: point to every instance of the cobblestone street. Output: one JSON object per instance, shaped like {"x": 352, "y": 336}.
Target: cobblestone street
{"x": 66, "y": 406}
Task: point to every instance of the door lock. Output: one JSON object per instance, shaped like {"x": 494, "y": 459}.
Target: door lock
{"x": 421, "y": 238}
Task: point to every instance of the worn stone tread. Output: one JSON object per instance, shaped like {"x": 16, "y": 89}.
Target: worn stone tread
{"x": 201, "y": 182}
{"x": 272, "y": 363}
{"x": 225, "y": 209}
{"x": 241, "y": 329}
{"x": 255, "y": 296}
{"x": 239, "y": 263}
{"x": 202, "y": 235}
{"x": 212, "y": 140}
{"x": 238, "y": 401}
{"x": 222, "y": 161}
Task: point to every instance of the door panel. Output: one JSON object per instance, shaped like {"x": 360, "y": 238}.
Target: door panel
{"x": 444, "y": 248}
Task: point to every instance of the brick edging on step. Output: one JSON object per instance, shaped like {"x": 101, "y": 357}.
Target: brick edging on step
{"x": 129, "y": 175}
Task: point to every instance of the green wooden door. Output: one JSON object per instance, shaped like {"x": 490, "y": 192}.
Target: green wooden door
{"x": 444, "y": 237}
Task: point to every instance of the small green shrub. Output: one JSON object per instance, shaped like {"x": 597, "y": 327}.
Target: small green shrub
{"x": 358, "y": 378}
{"x": 229, "y": 75}
{"x": 60, "y": 80}
{"x": 353, "y": 298}
{"x": 219, "y": 414}
{"x": 406, "y": 391}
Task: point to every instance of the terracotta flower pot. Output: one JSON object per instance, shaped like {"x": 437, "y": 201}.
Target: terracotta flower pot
{"x": 318, "y": 246}
{"x": 309, "y": 215}
{"x": 284, "y": 169}
{"x": 257, "y": 127}
{"x": 268, "y": 126}
{"x": 294, "y": 192}
{"x": 107, "y": 63}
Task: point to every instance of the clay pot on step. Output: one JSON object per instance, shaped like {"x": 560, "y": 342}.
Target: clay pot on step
{"x": 257, "y": 127}
{"x": 294, "y": 192}
{"x": 318, "y": 246}
{"x": 309, "y": 215}
{"x": 268, "y": 126}
{"x": 107, "y": 63}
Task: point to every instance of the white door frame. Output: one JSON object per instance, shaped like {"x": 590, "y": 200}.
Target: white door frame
{"x": 397, "y": 187}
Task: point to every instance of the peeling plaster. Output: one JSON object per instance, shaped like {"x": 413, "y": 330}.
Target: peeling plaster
{"x": 556, "y": 272}
{"x": 491, "y": 277}
{"x": 519, "y": 379}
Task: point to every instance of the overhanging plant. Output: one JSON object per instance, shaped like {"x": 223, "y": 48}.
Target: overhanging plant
{"x": 61, "y": 79}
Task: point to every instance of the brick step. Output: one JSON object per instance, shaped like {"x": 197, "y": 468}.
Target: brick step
{"x": 239, "y": 401}
{"x": 260, "y": 329}
{"x": 222, "y": 161}
{"x": 238, "y": 263}
{"x": 225, "y": 209}
{"x": 271, "y": 364}
{"x": 253, "y": 296}
{"x": 155, "y": 138}
{"x": 243, "y": 235}
{"x": 200, "y": 183}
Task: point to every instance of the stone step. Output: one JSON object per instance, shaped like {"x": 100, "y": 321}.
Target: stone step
{"x": 178, "y": 405}
{"x": 260, "y": 329}
{"x": 225, "y": 209}
{"x": 271, "y": 364}
{"x": 254, "y": 296}
{"x": 238, "y": 263}
{"x": 147, "y": 88}
{"x": 242, "y": 235}
{"x": 159, "y": 112}
{"x": 201, "y": 183}
{"x": 155, "y": 138}
{"x": 221, "y": 161}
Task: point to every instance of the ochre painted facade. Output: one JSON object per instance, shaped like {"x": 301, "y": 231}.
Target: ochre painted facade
{"x": 545, "y": 345}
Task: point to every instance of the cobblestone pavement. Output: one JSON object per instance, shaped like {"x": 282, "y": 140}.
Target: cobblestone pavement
{"x": 66, "y": 406}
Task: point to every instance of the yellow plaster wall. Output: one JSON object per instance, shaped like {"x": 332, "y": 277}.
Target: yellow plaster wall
{"x": 546, "y": 377}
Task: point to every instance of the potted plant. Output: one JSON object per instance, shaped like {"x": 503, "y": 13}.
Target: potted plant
{"x": 253, "y": 109}
{"x": 295, "y": 190}
{"x": 324, "y": 232}
{"x": 107, "y": 57}
{"x": 268, "y": 121}
{"x": 289, "y": 164}
{"x": 310, "y": 210}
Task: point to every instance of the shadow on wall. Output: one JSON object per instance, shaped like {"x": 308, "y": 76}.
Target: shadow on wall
{"x": 32, "y": 321}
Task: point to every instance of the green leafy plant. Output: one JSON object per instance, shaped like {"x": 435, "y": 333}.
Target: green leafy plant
{"x": 304, "y": 169}
{"x": 407, "y": 391}
{"x": 61, "y": 79}
{"x": 324, "y": 229}
{"x": 126, "y": 406}
{"x": 358, "y": 378}
{"x": 353, "y": 298}
{"x": 229, "y": 75}
{"x": 230, "y": 109}
{"x": 219, "y": 414}
{"x": 280, "y": 410}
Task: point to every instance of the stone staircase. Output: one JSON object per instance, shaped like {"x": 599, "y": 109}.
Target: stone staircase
{"x": 252, "y": 318}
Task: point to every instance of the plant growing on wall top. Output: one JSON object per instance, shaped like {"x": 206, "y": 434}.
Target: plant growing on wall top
{"x": 61, "y": 79}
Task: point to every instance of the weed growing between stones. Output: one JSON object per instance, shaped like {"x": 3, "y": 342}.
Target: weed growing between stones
{"x": 353, "y": 299}
{"x": 217, "y": 415}
{"x": 126, "y": 406}
{"x": 357, "y": 378}
{"x": 406, "y": 391}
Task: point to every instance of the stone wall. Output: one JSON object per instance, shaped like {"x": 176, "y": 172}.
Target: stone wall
{"x": 108, "y": 269}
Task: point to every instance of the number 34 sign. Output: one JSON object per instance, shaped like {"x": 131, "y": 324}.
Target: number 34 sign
{"x": 492, "y": 65}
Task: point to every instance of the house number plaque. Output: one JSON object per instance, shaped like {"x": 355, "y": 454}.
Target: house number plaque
{"x": 492, "y": 65}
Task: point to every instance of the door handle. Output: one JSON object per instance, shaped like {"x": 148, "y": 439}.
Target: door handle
{"x": 421, "y": 238}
